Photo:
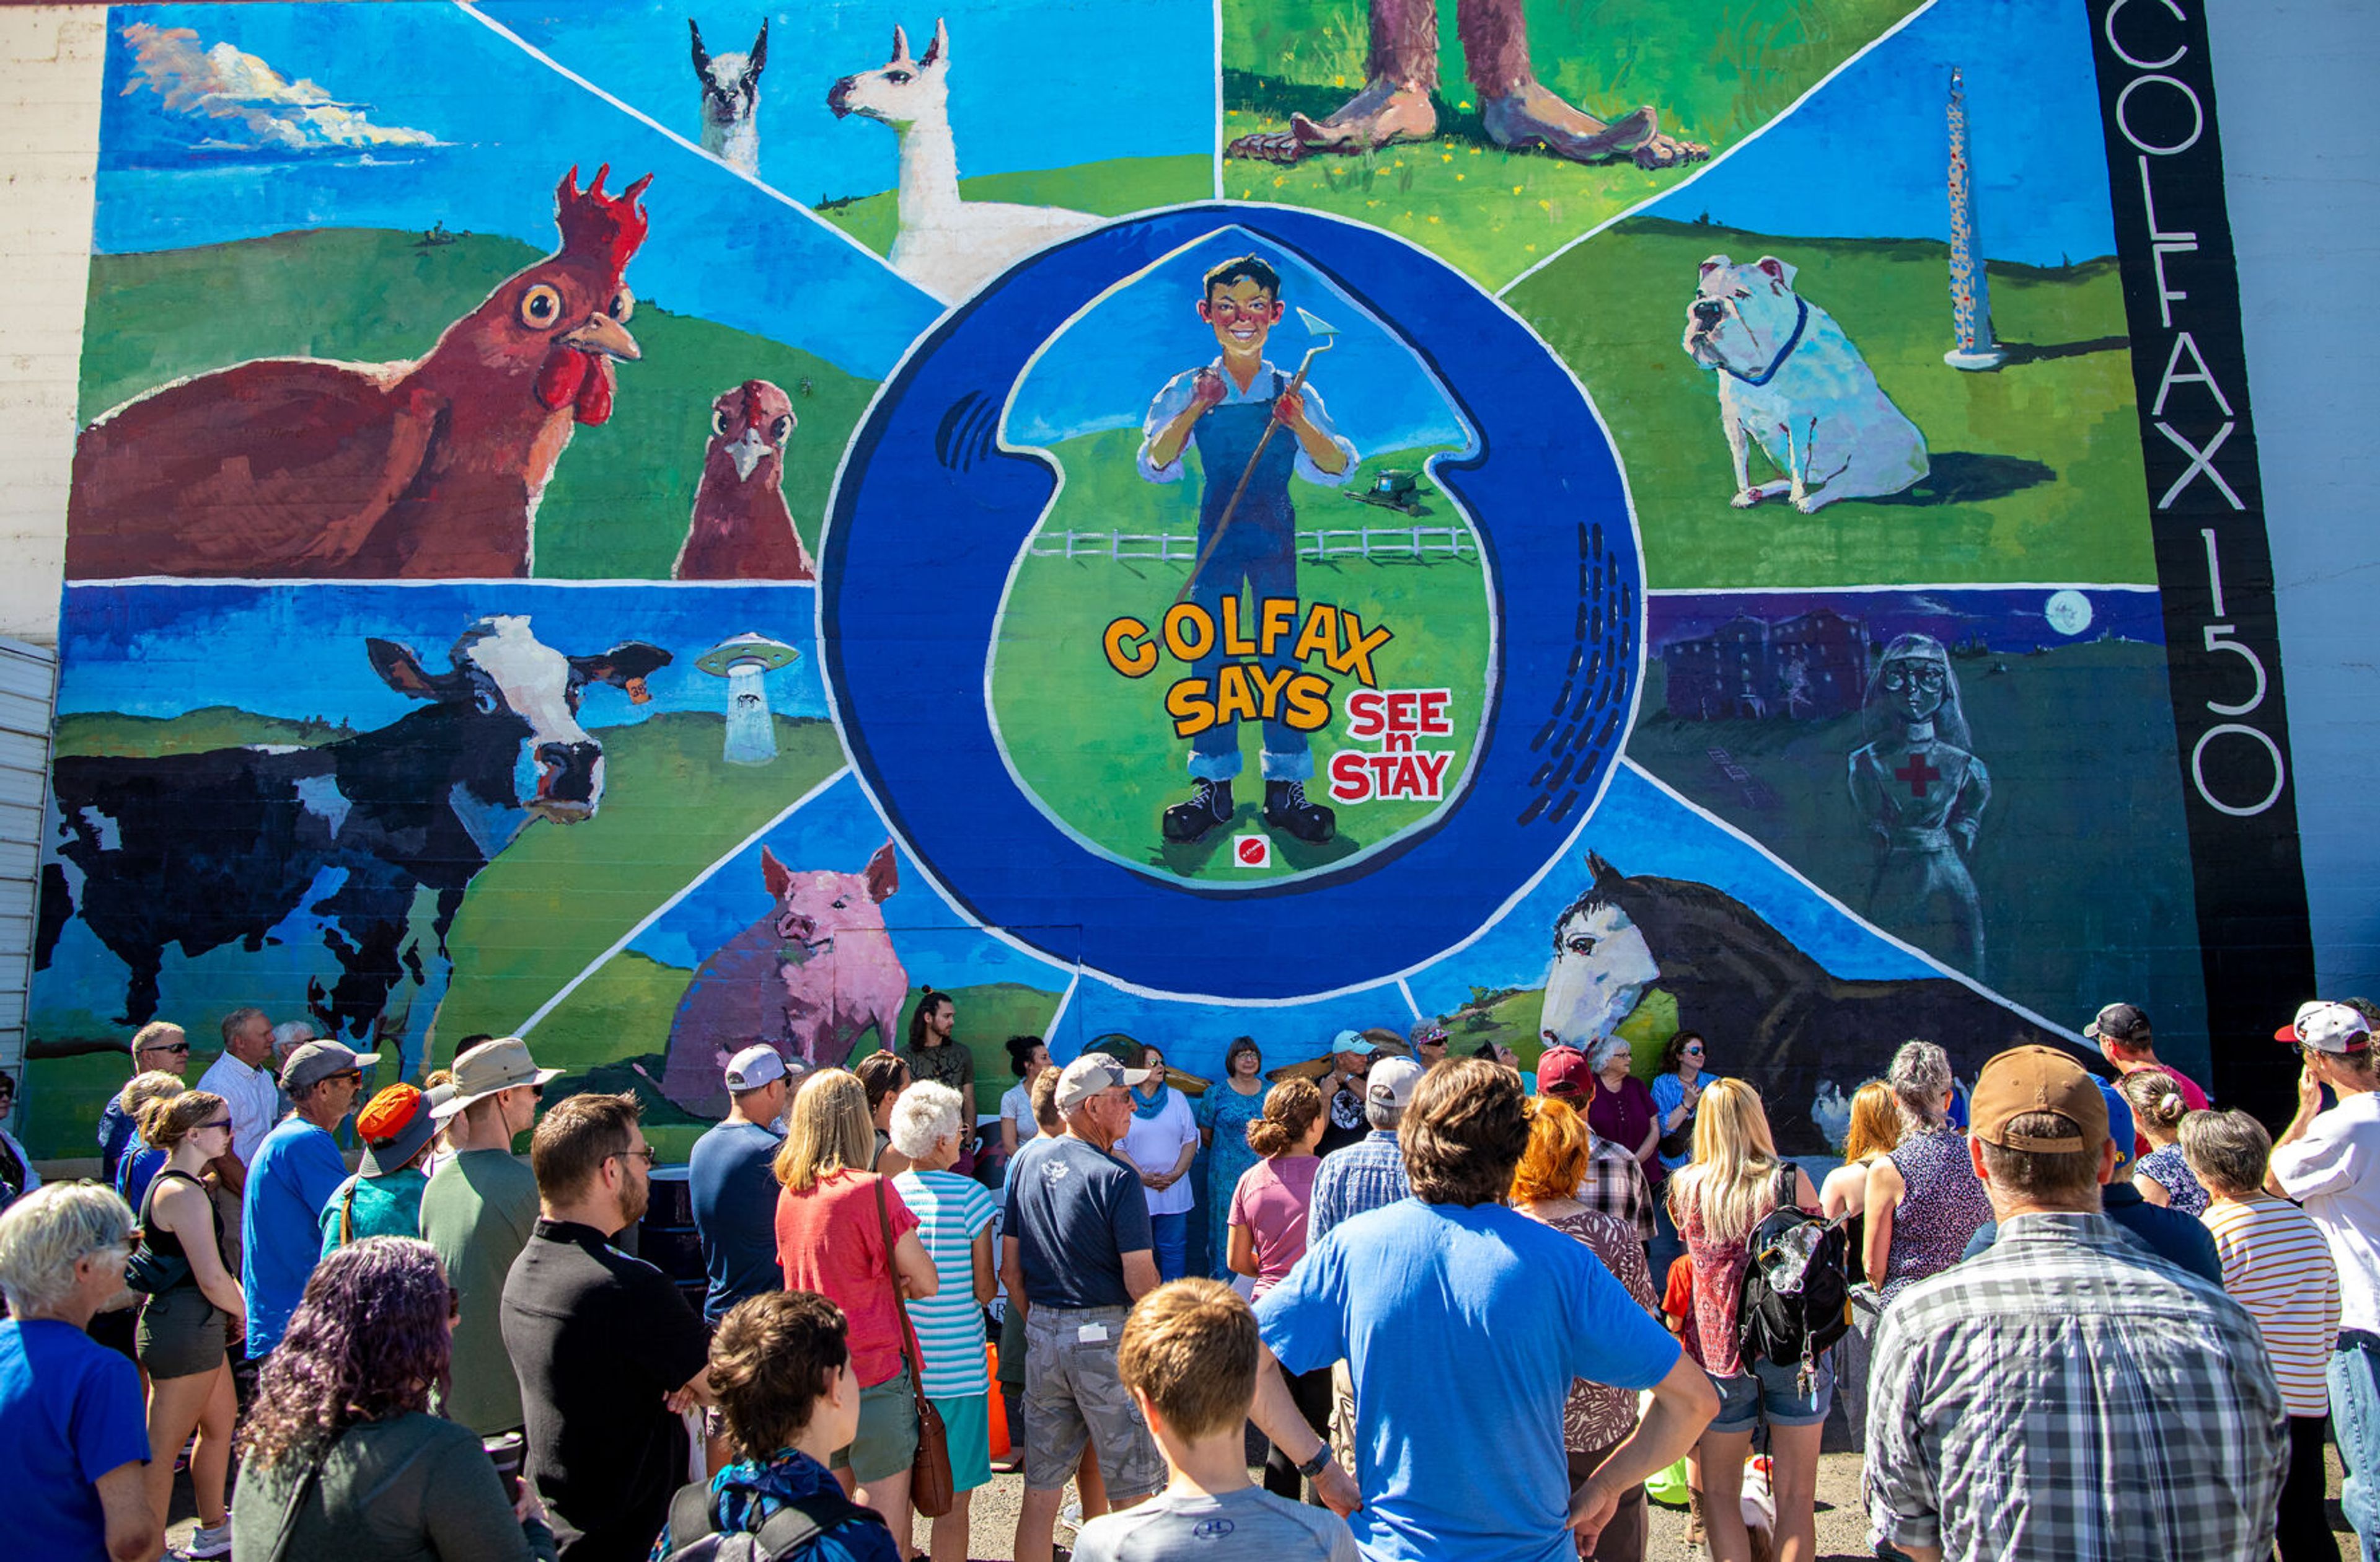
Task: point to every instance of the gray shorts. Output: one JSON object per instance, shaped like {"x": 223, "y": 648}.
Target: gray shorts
{"x": 1073, "y": 1396}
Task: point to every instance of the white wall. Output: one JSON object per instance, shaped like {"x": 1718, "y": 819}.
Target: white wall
{"x": 2301, "y": 152}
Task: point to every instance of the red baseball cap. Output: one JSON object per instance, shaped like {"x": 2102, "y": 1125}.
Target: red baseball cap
{"x": 1563, "y": 1070}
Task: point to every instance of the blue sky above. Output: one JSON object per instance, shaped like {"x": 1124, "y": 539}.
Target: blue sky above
{"x": 505, "y": 126}
{"x": 1104, "y": 369}
{"x": 159, "y": 650}
{"x": 1866, "y": 157}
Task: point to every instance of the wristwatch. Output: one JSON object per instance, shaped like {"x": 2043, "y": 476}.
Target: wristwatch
{"x": 1313, "y": 1467}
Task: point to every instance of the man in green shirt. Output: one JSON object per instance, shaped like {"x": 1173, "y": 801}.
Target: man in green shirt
{"x": 478, "y": 1212}
{"x": 933, "y": 1054}
{"x": 383, "y": 1199}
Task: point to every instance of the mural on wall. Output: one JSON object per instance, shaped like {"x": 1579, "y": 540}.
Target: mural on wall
{"x": 1585, "y": 523}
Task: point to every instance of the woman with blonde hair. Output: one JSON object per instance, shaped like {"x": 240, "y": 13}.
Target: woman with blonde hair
{"x": 1268, "y": 1235}
{"x": 1596, "y": 1418}
{"x": 184, "y": 1326}
{"x": 2163, "y": 1176}
{"x": 1735, "y": 1181}
{"x": 833, "y": 1215}
{"x": 1923, "y": 1201}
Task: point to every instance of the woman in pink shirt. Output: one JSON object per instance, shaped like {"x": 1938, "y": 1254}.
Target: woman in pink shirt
{"x": 831, "y": 1214}
{"x": 1267, "y": 1228}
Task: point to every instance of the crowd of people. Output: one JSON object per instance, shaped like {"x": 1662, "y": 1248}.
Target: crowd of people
{"x": 1472, "y": 1311}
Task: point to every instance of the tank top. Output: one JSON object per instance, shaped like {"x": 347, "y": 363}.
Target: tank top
{"x": 1944, "y": 1206}
{"x": 168, "y": 1243}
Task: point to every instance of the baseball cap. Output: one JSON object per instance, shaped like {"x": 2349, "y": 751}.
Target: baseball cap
{"x": 2038, "y": 1078}
{"x": 490, "y": 1066}
{"x": 2118, "y": 1023}
{"x": 1391, "y": 1081}
{"x": 317, "y": 1061}
{"x": 1353, "y": 1040}
{"x": 754, "y": 1067}
{"x": 2119, "y": 1123}
{"x": 394, "y": 1125}
{"x": 2327, "y": 1027}
{"x": 1091, "y": 1073}
{"x": 1563, "y": 1070}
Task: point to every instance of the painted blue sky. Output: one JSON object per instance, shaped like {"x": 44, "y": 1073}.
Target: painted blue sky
{"x": 2012, "y": 620}
{"x": 1006, "y": 72}
{"x": 159, "y": 650}
{"x": 1865, "y": 158}
{"x": 839, "y": 831}
{"x": 325, "y": 109}
{"x": 1102, "y": 371}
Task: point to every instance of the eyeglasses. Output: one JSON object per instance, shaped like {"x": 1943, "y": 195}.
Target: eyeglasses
{"x": 1924, "y": 675}
{"x": 537, "y": 1092}
{"x": 648, "y": 1154}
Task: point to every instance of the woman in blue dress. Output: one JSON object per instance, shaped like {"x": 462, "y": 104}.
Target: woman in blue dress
{"x": 1224, "y": 1114}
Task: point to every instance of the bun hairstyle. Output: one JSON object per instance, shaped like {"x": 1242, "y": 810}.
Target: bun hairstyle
{"x": 167, "y": 1123}
{"x": 1020, "y": 1053}
{"x": 2155, "y": 1098}
{"x": 1289, "y": 1110}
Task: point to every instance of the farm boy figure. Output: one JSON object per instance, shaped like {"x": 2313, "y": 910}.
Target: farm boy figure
{"x": 1223, "y": 408}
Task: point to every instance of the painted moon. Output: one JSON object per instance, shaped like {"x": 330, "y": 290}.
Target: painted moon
{"x": 2068, "y": 612}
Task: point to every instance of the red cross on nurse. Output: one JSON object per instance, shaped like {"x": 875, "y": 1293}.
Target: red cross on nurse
{"x": 1917, "y": 772}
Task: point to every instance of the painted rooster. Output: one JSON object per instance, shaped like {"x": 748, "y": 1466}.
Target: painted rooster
{"x": 741, "y": 529}
{"x": 433, "y": 468}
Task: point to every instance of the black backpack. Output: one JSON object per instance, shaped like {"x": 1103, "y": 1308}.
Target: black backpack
{"x": 1789, "y": 1317}
{"x": 787, "y": 1534}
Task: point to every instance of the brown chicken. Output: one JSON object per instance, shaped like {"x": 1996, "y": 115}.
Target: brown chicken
{"x": 299, "y": 467}
{"x": 741, "y": 529}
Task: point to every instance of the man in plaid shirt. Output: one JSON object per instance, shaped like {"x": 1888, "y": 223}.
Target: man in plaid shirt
{"x": 1615, "y": 1184}
{"x": 2068, "y": 1393}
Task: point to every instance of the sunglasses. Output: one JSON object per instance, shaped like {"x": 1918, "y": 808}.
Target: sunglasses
{"x": 169, "y": 1047}
{"x": 224, "y": 1124}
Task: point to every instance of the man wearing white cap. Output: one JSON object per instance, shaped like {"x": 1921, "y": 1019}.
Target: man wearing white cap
{"x": 1369, "y": 1174}
{"x": 1075, "y": 1252}
{"x": 478, "y": 1212}
{"x": 733, "y": 1188}
{"x": 2329, "y": 1162}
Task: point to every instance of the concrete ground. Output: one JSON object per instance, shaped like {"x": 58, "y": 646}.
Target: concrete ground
{"x": 1843, "y": 1532}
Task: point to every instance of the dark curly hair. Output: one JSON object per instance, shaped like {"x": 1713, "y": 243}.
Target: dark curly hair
{"x": 1674, "y": 1049}
{"x": 1464, "y": 1132}
{"x": 370, "y": 1340}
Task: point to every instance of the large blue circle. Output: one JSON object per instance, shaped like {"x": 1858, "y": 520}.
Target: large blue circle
{"x": 929, "y": 514}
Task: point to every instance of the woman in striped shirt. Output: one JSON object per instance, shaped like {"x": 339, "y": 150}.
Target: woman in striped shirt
{"x": 954, "y": 1215}
{"x": 2278, "y": 1266}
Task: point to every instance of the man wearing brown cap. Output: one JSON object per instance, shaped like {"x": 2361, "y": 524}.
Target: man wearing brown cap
{"x": 478, "y": 1212}
{"x": 2067, "y": 1394}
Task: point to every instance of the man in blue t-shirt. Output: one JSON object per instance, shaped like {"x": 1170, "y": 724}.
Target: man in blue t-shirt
{"x": 74, "y": 1440}
{"x": 734, "y": 1184}
{"x": 1075, "y": 1252}
{"x": 297, "y": 1170}
{"x": 1455, "y": 1465}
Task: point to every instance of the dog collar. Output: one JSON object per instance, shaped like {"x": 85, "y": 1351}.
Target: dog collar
{"x": 1800, "y": 323}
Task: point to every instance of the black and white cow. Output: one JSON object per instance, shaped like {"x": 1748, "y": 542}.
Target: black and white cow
{"x": 366, "y": 842}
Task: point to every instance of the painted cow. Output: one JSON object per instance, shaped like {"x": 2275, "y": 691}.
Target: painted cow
{"x": 366, "y": 844}
{"x": 807, "y": 979}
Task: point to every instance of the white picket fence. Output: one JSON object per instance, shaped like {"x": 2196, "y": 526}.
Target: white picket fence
{"x": 1420, "y": 542}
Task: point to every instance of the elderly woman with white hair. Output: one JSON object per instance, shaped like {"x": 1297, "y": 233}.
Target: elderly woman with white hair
{"x": 1924, "y": 1201}
{"x": 954, "y": 1217}
{"x": 73, "y": 1436}
{"x": 1623, "y": 1111}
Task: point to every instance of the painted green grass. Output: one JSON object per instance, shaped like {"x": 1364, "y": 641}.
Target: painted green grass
{"x": 613, "y": 1034}
{"x": 1716, "y": 70}
{"x": 1109, "y": 189}
{"x": 192, "y": 732}
{"x": 1099, "y": 749}
{"x": 2053, "y": 938}
{"x": 2036, "y": 467}
{"x": 557, "y": 899}
{"x": 617, "y": 506}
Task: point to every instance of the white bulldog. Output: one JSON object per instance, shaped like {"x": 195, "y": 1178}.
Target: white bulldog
{"x": 1792, "y": 380}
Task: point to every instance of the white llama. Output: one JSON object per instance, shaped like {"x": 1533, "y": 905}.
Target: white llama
{"x": 947, "y": 246}
{"x": 731, "y": 100}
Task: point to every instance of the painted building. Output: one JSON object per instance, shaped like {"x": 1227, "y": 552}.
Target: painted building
{"x": 430, "y": 429}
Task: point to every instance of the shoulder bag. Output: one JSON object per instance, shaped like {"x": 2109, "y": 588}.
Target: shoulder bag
{"x": 929, "y": 1472}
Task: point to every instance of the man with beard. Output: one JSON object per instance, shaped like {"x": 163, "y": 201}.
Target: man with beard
{"x": 607, "y": 1350}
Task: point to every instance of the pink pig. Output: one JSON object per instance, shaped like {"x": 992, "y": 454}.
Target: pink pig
{"x": 806, "y": 979}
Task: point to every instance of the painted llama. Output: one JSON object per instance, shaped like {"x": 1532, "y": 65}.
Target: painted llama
{"x": 731, "y": 100}
{"x": 947, "y": 246}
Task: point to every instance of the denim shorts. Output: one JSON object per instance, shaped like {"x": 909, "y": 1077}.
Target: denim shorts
{"x": 1770, "y": 1393}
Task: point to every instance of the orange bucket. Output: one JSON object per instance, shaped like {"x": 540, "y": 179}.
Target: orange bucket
{"x": 997, "y": 1408}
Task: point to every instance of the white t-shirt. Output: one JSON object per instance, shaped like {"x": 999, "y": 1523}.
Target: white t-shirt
{"x": 2334, "y": 1171}
{"x": 1016, "y": 1106}
{"x": 254, "y": 1100}
{"x": 1155, "y": 1144}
